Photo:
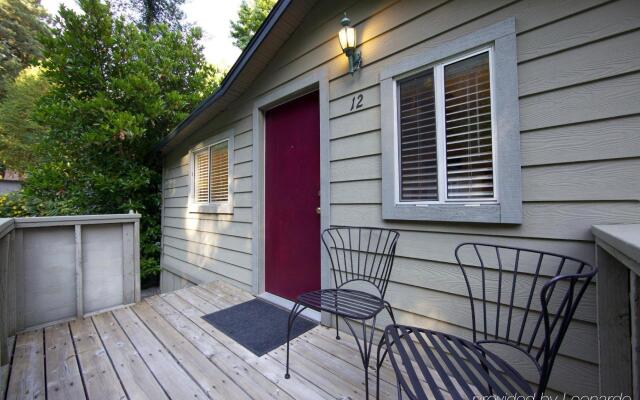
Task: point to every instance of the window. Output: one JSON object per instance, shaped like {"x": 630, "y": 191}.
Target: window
{"x": 468, "y": 129}
{"x": 445, "y": 133}
{"x": 211, "y": 178}
{"x": 450, "y": 132}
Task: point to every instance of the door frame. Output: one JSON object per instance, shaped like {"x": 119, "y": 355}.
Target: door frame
{"x": 312, "y": 81}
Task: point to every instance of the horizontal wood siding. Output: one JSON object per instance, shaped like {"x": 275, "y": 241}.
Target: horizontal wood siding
{"x": 579, "y": 87}
{"x": 170, "y": 282}
{"x": 200, "y": 247}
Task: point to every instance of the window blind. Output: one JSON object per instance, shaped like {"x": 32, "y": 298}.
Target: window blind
{"x": 469, "y": 149}
{"x": 418, "y": 159}
{"x": 201, "y": 177}
{"x": 219, "y": 182}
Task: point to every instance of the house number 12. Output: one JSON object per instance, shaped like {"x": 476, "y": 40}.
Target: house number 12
{"x": 356, "y": 102}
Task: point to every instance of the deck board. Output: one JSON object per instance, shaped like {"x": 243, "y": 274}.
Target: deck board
{"x": 175, "y": 381}
{"x": 137, "y": 379}
{"x": 161, "y": 348}
{"x": 5, "y": 369}
{"x": 99, "y": 377}
{"x": 242, "y": 373}
{"x": 208, "y": 376}
{"x": 62, "y": 370}
{"x": 27, "y": 372}
{"x": 297, "y": 386}
{"x": 319, "y": 369}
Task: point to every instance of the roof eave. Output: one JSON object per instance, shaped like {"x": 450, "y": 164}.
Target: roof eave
{"x": 231, "y": 76}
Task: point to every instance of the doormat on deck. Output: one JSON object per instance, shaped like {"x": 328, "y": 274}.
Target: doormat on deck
{"x": 258, "y": 325}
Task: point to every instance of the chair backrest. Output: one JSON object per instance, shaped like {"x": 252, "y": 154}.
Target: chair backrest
{"x": 361, "y": 254}
{"x": 512, "y": 277}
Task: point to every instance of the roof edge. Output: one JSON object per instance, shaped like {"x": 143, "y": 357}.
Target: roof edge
{"x": 246, "y": 55}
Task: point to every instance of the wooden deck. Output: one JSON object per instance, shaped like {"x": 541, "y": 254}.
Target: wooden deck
{"x": 161, "y": 348}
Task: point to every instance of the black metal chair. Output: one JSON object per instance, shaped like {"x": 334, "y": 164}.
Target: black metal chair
{"x": 358, "y": 256}
{"x": 427, "y": 363}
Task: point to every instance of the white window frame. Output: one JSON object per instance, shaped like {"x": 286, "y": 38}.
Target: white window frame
{"x": 212, "y": 207}
{"x": 506, "y": 205}
{"x": 441, "y": 140}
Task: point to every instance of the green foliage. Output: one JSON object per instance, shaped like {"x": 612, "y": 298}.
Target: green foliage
{"x": 13, "y": 205}
{"x": 149, "y": 12}
{"x": 115, "y": 92}
{"x": 19, "y": 133}
{"x": 21, "y": 23}
{"x": 250, "y": 17}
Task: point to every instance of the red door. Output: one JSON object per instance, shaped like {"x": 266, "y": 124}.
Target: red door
{"x": 292, "y": 194}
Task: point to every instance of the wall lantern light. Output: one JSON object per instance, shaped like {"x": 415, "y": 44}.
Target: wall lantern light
{"x": 347, "y": 38}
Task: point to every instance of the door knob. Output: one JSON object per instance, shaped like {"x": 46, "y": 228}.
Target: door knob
{"x": 318, "y": 210}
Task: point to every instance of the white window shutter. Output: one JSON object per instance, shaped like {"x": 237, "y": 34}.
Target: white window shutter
{"x": 201, "y": 177}
{"x": 219, "y": 181}
{"x": 418, "y": 158}
{"x": 469, "y": 147}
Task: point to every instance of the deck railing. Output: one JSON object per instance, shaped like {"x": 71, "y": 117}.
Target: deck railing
{"x": 618, "y": 260}
{"x": 7, "y": 267}
{"x": 54, "y": 269}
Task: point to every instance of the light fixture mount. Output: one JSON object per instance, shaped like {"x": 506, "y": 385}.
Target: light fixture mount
{"x": 347, "y": 39}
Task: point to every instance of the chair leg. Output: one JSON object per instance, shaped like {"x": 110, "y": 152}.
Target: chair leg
{"x": 486, "y": 369}
{"x": 377, "y": 382}
{"x": 379, "y": 362}
{"x": 365, "y": 348}
{"x": 295, "y": 311}
{"x": 337, "y": 318}
{"x": 387, "y": 305}
{"x": 367, "y": 351}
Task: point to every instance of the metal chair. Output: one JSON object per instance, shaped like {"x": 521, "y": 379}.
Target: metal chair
{"x": 361, "y": 258}
{"x": 504, "y": 316}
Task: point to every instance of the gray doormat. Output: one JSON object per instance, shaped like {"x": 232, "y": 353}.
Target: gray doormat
{"x": 258, "y": 325}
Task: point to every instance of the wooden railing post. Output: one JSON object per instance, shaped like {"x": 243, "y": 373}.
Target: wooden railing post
{"x": 613, "y": 324}
{"x": 136, "y": 260}
{"x": 618, "y": 260}
{"x": 128, "y": 273}
{"x": 79, "y": 272}
{"x": 11, "y": 291}
{"x": 4, "y": 310}
{"x": 635, "y": 328}
{"x": 7, "y": 283}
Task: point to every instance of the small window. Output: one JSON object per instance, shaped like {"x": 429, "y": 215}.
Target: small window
{"x": 219, "y": 176}
{"x": 211, "y": 172}
{"x": 201, "y": 181}
{"x": 449, "y": 130}
{"x": 445, "y": 133}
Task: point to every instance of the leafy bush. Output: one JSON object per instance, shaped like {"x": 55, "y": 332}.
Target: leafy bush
{"x": 115, "y": 91}
{"x": 19, "y": 133}
{"x": 13, "y": 205}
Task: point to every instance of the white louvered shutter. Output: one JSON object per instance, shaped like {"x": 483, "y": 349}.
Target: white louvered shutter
{"x": 201, "y": 177}
{"x": 469, "y": 148}
{"x": 418, "y": 159}
{"x": 219, "y": 182}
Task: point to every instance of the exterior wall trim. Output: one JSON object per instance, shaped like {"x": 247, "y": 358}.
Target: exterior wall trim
{"x": 214, "y": 207}
{"x": 38, "y": 222}
{"x": 312, "y": 81}
{"x": 507, "y": 168}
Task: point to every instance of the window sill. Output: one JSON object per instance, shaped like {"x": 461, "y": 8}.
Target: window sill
{"x": 484, "y": 213}
{"x": 225, "y": 208}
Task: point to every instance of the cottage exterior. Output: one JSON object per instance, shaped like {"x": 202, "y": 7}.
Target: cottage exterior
{"x": 291, "y": 131}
